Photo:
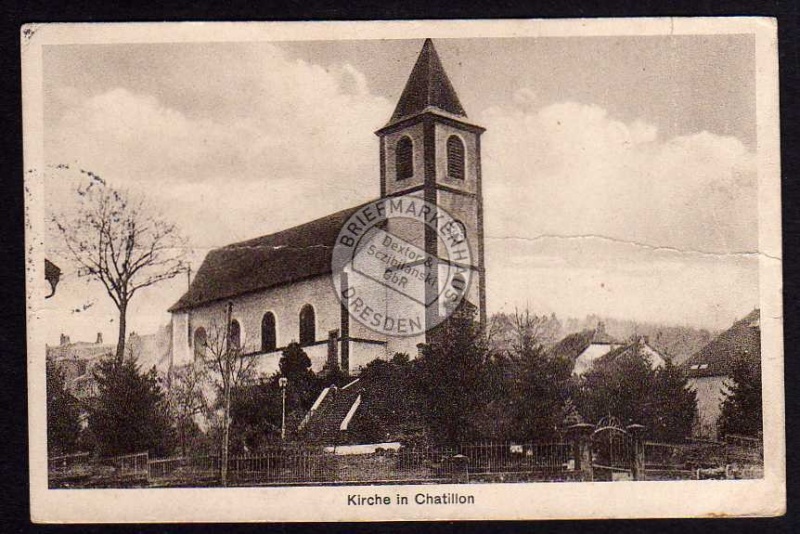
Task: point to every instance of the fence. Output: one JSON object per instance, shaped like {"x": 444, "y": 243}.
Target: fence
{"x": 80, "y": 470}
{"x": 744, "y": 457}
{"x": 508, "y": 461}
{"x": 175, "y": 470}
{"x": 737, "y": 457}
{"x": 67, "y": 462}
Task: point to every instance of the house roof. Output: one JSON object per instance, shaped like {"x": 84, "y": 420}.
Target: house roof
{"x": 573, "y": 345}
{"x": 324, "y": 426}
{"x": 634, "y": 348}
{"x": 427, "y": 87}
{"x": 268, "y": 261}
{"x": 716, "y": 358}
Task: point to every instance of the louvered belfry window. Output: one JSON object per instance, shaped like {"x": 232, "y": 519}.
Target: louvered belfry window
{"x": 455, "y": 157}
{"x": 404, "y": 158}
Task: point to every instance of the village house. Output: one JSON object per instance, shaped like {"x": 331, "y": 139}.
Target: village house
{"x": 278, "y": 288}
{"x": 76, "y": 361}
{"x": 709, "y": 370}
{"x": 589, "y": 346}
{"x": 584, "y": 348}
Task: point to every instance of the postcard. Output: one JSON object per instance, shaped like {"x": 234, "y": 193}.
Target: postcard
{"x": 417, "y": 270}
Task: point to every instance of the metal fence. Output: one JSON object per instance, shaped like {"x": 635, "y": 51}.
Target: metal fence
{"x": 490, "y": 457}
{"x": 184, "y": 467}
{"x": 744, "y": 449}
{"x": 736, "y": 457}
{"x": 68, "y": 461}
{"x": 129, "y": 463}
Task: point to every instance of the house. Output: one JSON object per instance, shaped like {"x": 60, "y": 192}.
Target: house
{"x": 639, "y": 346}
{"x": 76, "y": 361}
{"x": 588, "y": 347}
{"x": 278, "y": 288}
{"x": 709, "y": 369}
{"x": 584, "y": 348}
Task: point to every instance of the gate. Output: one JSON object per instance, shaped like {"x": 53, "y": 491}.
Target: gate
{"x": 613, "y": 451}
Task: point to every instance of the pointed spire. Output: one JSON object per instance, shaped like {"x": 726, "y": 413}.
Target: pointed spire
{"x": 427, "y": 86}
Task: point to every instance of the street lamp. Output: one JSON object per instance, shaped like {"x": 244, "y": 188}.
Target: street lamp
{"x": 283, "y": 382}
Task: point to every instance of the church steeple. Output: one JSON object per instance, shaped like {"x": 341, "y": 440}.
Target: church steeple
{"x": 427, "y": 87}
{"x": 430, "y": 150}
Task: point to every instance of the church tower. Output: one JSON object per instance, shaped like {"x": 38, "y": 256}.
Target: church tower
{"x": 430, "y": 149}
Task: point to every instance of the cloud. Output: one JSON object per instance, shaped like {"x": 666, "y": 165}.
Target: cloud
{"x": 571, "y": 169}
{"x": 574, "y": 277}
{"x": 235, "y": 145}
{"x": 257, "y": 135}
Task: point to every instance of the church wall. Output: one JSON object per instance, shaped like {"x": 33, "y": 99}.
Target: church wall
{"x": 284, "y": 302}
{"x": 447, "y": 290}
{"x": 409, "y": 229}
{"x": 392, "y": 305}
{"x": 415, "y": 133}
{"x": 181, "y": 351}
{"x": 465, "y": 209}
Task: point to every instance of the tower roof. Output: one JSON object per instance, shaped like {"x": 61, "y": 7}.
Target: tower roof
{"x": 427, "y": 87}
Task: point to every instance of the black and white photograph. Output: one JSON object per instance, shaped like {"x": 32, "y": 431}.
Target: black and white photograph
{"x": 421, "y": 270}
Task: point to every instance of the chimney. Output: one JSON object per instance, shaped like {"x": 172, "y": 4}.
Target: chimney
{"x": 64, "y": 339}
{"x": 99, "y": 340}
{"x": 601, "y": 328}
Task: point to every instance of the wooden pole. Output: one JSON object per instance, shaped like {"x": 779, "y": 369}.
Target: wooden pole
{"x": 226, "y": 386}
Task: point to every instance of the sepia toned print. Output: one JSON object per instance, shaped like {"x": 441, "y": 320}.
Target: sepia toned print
{"x": 430, "y": 271}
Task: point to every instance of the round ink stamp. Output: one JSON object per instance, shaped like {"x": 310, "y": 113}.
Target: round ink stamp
{"x": 401, "y": 265}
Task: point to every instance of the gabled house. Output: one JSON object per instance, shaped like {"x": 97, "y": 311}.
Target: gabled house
{"x": 639, "y": 346}
{"x": 584, "y": 348}
{"x": 328, "y": 421}
{"x": 76, "y": 361}
{"x": 709, "y": 369}
{"x": 587, "y": 348}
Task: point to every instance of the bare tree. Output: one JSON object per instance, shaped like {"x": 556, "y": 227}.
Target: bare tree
{"x": 187, "y": 398}
{"x": 117, "y": 239}
{"x": 522, "y": 330}
{"x": 230, "y": 368}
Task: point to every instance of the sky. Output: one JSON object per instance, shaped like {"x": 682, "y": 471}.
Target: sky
{"x": 619, "y": 172}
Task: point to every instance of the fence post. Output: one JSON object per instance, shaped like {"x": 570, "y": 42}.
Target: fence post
{"x": 460, "y": 465}
{"x": 637, "y": 434}
{"x": 580, "y": 435}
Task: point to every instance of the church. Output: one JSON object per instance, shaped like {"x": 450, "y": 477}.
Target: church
{"x": 277, "y": 289}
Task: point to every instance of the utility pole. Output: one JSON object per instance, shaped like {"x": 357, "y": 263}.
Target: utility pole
{"x": 226, "y": 384}
{"x": 282, "y": 382}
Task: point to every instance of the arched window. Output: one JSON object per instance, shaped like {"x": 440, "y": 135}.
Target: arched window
{"x": 236, "y": 335}
{"x": 308, "y": 332}
{"x": 404, "y": 158}
{"x": 200, "y": 343}
{"x": 268, "y": 337}
{"x": 455, "y": 157}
